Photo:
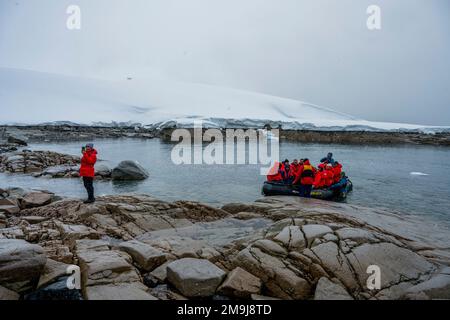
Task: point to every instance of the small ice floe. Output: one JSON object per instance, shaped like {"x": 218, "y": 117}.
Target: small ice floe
{"x": 418, "y": 174}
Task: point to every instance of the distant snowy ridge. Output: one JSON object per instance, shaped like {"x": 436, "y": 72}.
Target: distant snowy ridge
{"x": 29, "y": 97}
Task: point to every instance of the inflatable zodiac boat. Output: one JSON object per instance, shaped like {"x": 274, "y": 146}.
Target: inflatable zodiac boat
{"x": 336, "y": 192}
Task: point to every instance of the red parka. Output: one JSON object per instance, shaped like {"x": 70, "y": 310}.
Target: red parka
{"x": 87, "y": 163}
{"x": 319, "y": 182}
{"x": 327, "y": 176}
{"x": 337, "y": 170}
{"x": 295, "y": 168}
{"x": 286, "y": 172}
{"x": 306, "y": 174}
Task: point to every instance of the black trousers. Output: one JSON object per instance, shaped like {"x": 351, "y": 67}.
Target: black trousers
{"x": 304, "y": 190}
{"x": 89, "y": 185}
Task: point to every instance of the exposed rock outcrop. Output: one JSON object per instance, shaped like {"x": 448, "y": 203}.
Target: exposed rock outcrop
{"x": 195, "y": 277}
{"x": 35, "y": 162}
{"x": 138, "y": 247}
{"x": 240, "y": 284}
{"x": 21, "y": 264}
{"x": 129, "y": 170}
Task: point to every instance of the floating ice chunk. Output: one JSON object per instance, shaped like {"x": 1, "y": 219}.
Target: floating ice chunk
{"x": 418, "y": 174}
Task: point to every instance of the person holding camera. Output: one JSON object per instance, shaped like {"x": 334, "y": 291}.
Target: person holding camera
{"x": 87, "y": 170}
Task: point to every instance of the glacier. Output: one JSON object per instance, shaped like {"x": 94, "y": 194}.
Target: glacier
{"x": 32, "y": 97}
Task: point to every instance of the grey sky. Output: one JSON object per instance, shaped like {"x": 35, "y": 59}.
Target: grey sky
{"x": 318, "y": 51}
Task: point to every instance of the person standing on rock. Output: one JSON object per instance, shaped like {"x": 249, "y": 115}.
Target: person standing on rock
{"x": 87, "y": 170}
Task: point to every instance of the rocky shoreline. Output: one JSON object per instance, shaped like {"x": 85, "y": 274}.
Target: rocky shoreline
{"x": 138, "y": 247}
{"x": 49, "y": 164}
{"x": 55, "y": 133}
{"x": 39, "y": 133}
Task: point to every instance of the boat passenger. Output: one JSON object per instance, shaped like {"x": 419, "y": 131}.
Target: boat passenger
{"x": 328, "y": 176}
{"x": 305, "y": 179}
{"x": 286, "y": 172}
{"x": 337, "y": 172}
{"x": 318, "y": 179}
{"x": 295, "y": 167}
{"x": 328, "y": 159}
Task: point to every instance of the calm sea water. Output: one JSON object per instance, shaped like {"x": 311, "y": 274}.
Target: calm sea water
{"x": 381, "y": 175}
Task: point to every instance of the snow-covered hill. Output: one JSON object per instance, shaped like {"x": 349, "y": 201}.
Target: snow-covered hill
{"x": 30, "y": 97}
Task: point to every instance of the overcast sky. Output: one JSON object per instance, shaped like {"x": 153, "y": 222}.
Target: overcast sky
{"x": 318, "y": 51}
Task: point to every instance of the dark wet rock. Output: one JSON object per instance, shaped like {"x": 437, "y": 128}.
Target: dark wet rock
{"x": 34, "y": 219}
{"x": 150, "y": 281}
{"x": 166, "y": 292}
{"x": 17, "y": 139}
{"x": 8, "y": 295}
{"x": 129, "y": 170}
{"x": 257, "y": 297}
{"x": 8, "y": 147}
{"x": 218, "y": 297}
{"x": 55, "y": 291}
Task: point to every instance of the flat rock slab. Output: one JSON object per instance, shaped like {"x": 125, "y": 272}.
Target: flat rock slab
{"x": 437, "y": 287}
{"x": 21, "y": 264}
{"x": 280, "y": 281}
{"x": 121, "y": 291}
{"x": 240, "y": 284}
{"x": 36, "y": 199}
{"x": 396, "y": 264}
{"x": 52, "y": 271}
{"x": 75, "y": 232}
{"x": 335, "y": 262}
{"x": 359, "y": 236}
{"x": 105, "y": 267}
{"x": 91, "y": 245}
{"x": 145, "y": 256}
{"x": 8, "y": 209}
{"x": 195, "y": 277}
{"x": 328, "y": 290}
{"x": 313, "y": 231}
{"x": 8, "y": 201}
{"x": 292, "y": 238}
